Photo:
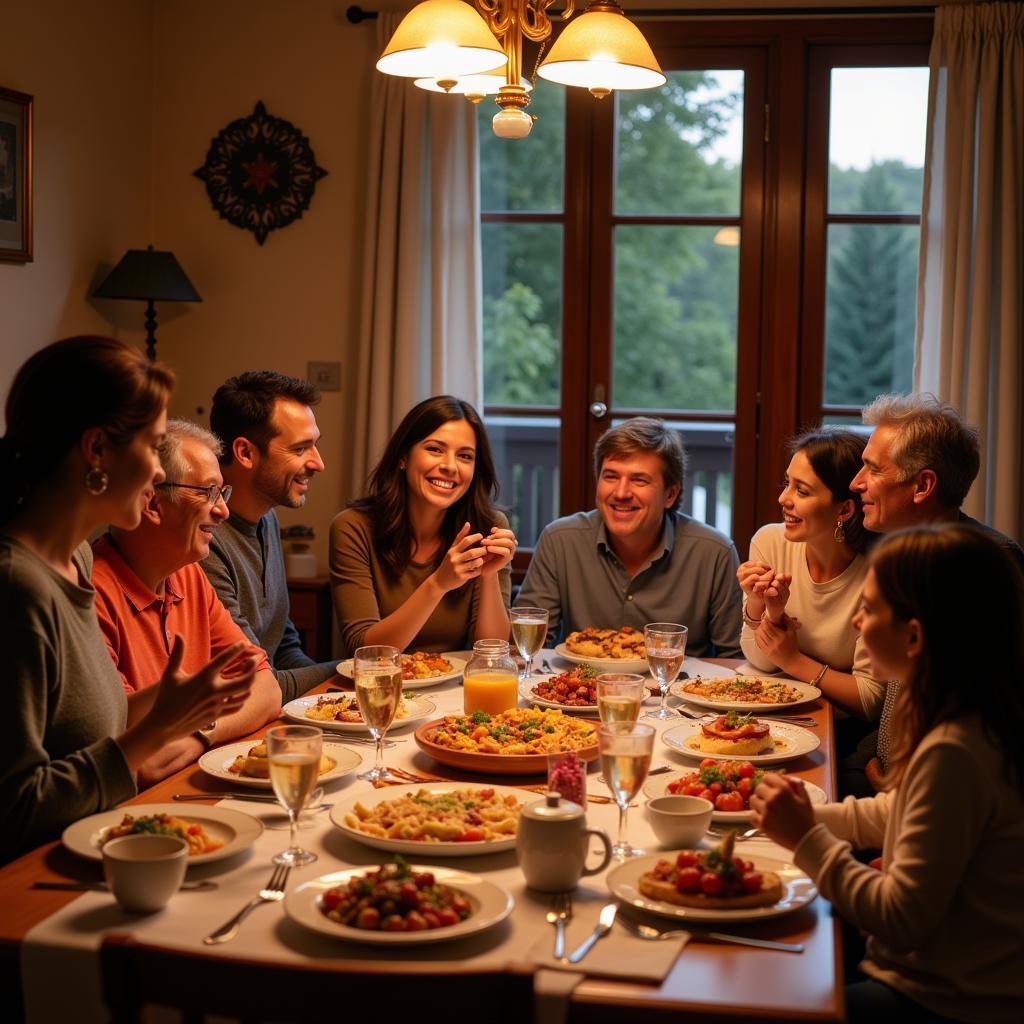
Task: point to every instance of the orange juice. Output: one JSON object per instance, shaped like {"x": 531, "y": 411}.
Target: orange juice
{"x": 492, "y": 692}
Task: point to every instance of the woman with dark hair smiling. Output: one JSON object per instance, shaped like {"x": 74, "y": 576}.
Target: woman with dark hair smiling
{"x": 944, "y": 916}
{"x": 422, "y": 562}
{"x": 803, "y": 580}
{"x": 84, "y": 419}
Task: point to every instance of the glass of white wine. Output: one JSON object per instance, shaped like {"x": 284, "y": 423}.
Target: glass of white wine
{"x": 619, "y": 695}
{"x": 294, "y": 754}
{"x": 378, "y": 678}
{"x": 529, "y": 627}
{"x": 665, "y": 643}
{"x": 626, "y": 749}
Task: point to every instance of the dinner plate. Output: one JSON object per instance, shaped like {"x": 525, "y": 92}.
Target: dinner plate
{"x": 491, "y": 764}
{"x": 416, "y": 847}
{"x": 604, "y": 664}
{"x": 420, "y": 709}
{"x": 215, "y": 762}
{"x": 490, "y": 902}
{"x": 797, "y": 891}
{"x": 806, "y": 691}
{"x": 237, "y": 830}
{"x": 458, "y": 667}
{"x": 791, "y": 742}
{"x": 658, "y": 786}
{"x": 527, "y": 694}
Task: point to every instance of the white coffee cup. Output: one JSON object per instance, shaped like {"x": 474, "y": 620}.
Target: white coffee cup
{"x": 144, "y": 871}
{"x": 552, "y": 844}
{"x": 679, "y": 821}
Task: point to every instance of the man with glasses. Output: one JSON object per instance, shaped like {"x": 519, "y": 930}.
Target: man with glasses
{"x": 266, "y": 423}
{"x": 150, "y": 589}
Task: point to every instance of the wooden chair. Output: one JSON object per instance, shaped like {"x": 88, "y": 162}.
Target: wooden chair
{"x": 137, "y": 975}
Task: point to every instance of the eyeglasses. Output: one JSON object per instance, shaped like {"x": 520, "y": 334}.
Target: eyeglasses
{"x": 211, "y": 492}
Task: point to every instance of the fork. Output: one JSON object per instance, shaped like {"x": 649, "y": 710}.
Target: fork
{"x": 558, "y": 915}
{"x": 273, "y": 893}
{"x": 805, "y": 721}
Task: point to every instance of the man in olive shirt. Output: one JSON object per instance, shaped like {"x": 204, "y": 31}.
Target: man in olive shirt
{"x": 636, "y": 558}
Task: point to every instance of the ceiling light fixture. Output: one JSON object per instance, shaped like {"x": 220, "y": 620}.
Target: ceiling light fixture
{"x": 442, "y": 43}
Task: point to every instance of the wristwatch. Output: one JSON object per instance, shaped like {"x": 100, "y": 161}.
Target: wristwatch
{"x": 205, "y": 734}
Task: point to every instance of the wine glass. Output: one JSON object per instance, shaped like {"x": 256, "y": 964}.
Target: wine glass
{"x": 626, "y": 749}
{"x": 294, "y": 755}
{"x": 619, "y": 695}
{"x": 377, "y": 671}
{"x": 529, "y": 627}
{"x": 665, "y": 643}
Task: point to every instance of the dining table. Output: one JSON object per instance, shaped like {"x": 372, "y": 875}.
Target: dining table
{"x": 45, "y": 931}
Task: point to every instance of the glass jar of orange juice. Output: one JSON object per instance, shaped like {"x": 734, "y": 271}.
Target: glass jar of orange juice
{"x": 490, "y": 682}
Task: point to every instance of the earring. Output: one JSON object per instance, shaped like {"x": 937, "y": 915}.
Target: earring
{"x": 96, "y": 481}
{"x": 839, "y": 533}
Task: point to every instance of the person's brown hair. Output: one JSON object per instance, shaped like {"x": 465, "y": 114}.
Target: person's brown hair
{"x": 386, "y": 504}
{"x": 646, "y": 434}
{"x": 60, "y": 392}
{"x": 958, "y": 584}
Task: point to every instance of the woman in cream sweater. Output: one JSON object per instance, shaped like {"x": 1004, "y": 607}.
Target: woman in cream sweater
{"x": 943, "y": 916}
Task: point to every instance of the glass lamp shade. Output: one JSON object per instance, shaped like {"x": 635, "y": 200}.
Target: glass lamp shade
{"x": 441, "y": 39}
{"x": 473, "y": 86}
{"x": 602, "y": 50}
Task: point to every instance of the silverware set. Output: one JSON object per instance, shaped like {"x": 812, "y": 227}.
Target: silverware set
{"x": 704, "y": 716}
{"x": 273, "y": 893}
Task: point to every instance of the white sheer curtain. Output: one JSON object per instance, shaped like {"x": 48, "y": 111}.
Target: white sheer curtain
{"x": 970, "y": 317}
{"x": 421, "y": 321}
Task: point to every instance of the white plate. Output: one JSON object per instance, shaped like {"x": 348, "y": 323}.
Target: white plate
{"x": 797, "y": 891}
{"x": 527, "y": 694}
{"x": 420, "y": 709}
{"x": 658, "y": 786}
{"x": 215, "y": 762}
{"x": 458, "y": 667}
{"x": 490, "y": 902}
{"x": 238, "y": 831}
{"x": 604, "y": 664}
{"x": 415, "y": 847}
{"x": 791, "y": 742}
{"x": 806, "y": 691}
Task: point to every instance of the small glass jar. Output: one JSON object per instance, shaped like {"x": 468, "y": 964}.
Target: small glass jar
{"x": 490, "y": 682}
{"x": 567, "y": 776}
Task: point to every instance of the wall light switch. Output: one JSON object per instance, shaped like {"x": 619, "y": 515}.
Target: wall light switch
{"x": 326, "y": 376}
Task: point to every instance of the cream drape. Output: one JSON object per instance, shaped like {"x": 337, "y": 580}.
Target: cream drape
{"x": 421, "y": 321}
{"x": 970, "y": 316}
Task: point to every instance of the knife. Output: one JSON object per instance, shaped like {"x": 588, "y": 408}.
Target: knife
{"x": 203, "y": 886}
{"x": 604, "y": 926}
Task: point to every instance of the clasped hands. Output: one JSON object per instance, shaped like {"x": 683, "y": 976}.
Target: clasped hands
{"x": 474, "y": 555}
{"x": 768, "y": 591}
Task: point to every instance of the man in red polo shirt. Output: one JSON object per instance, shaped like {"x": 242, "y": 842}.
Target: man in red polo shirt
{"x": 150, "y": 588}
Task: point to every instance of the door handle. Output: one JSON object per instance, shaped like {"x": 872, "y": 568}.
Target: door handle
{"x": 598, "y": 410}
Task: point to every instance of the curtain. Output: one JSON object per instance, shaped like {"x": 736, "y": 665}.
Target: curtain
{"x": 970, "y": 318}
{"x": 421, "y": 322}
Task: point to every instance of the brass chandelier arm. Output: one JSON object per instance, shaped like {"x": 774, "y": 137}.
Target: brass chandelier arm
{"x": 531, "y": 16}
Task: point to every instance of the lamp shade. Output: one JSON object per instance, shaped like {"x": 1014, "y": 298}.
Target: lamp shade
{"x": 443, "y": 39}
{"x": 602, "y": 50}
{"x": 473, "y": 86}
{"x": 148, "y": 274}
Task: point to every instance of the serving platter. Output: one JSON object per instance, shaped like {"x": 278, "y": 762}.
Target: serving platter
{"x": 417, "y": 847}
{"x": 797, "y": 891}
{"x": 458, "y": 667}
{"x": 490, "y": 902}
{"x": 604, "y": 664}
{"x": 658, "y": 786}
{"x": 420, "y": 709}
{"x": 236, "y": 830}
{"x": 791, "y": 742}
{"x": 805, "y": 690}
{"x": 527, "y": 694}
{"x": 215, "y": 763}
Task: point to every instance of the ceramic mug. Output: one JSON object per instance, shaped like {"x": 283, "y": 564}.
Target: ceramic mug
{"x": 144, "y": 871}
{"x": 552, "y": 845}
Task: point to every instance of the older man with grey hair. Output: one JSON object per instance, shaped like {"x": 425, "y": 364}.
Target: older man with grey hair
{"x": 151, "y": 589}
{"x": 636, "y": 558}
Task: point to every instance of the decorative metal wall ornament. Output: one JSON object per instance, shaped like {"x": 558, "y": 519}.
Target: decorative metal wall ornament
{"x": 260, "y": 173}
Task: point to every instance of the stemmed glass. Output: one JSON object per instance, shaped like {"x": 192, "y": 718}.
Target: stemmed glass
{"x": 378, "y": 678}
{"x": 619, "y": 695}
{"x": 665, "y": 643}
{"x": 294, "y": 755}
{"x": 529, "y": 627}
{"x": 626, "y": 749}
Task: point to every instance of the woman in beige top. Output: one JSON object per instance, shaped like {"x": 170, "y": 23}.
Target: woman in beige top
{"x": 422, "y": 562}
{"x": 943, "y": 916}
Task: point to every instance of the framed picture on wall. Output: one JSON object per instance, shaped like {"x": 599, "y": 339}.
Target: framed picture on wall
{"x": 15, "y": 176}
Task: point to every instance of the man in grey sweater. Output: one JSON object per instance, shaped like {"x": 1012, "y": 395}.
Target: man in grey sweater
{"x": 266, "y": 422}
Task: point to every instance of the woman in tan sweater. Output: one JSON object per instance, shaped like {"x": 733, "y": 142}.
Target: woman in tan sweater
{"x": 422, "y": 562}
{"x": 944, "y": 916}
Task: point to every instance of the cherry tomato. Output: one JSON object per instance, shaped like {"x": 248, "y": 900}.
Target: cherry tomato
{"x": 695, "y": 788}
{"x": 711, "y": 884}
{"x": 752, "y": 881}
{"x": 715, "y": 787}
{"x": 745, "y": 788}
{"x": 708, "y": 762}
{"x": 686, "y": 859}
{"x": 415, "y": 922}
{"x": 410, "y": 895}
{"x": 393, "y": 923}
{"x": 369, "y": 919}
{"x": 447, "y": 917}
{"x": 332, "y": 898}
{"x": 423, "y": 879}
{"x": 746, "y": 770}
{"x": 707, "y": 795}
{"x": 472, "y": 835}
{"x": 433, "y": 921}
{"x": 194, "y": 830}
{"x": 729, "y": 802}
{"x": 460, "y": 905}
{"x": 688, "y": 879}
